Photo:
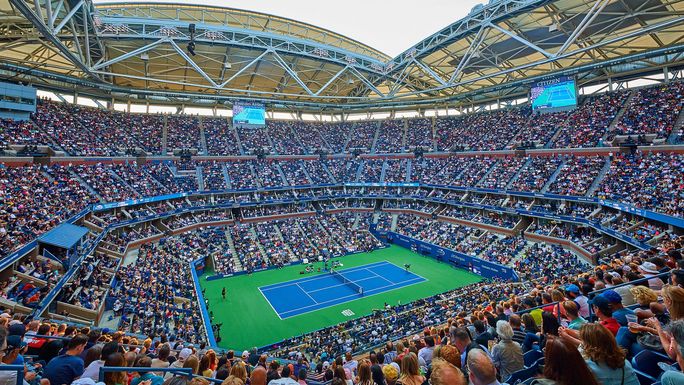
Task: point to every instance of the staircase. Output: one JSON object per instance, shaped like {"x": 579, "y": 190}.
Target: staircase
{"x": 154, "y": 180}
{"x": 383, "y": 170}
{"x": 237, "y": 137}
{"x": 259, "y": 245}
{"x": 306, "y": 172}
{"x": 395, "y": 219}
{"x": 233, "y": 251}
{"x": 293, "y": 257}
{"x": 200, "y": 178}
{"x": 409, "y": 167}
{"x": 270, "y": 140}
{"x": 165, "y": 135}
{"x": 553, "y": 176}
{"x": 359, "y": 170}
{"x": 515, "y": 176}
{"x": 677, "y": 128}
{"x": 123, "y": 182}
{"x": 226, "y": 176}
{"x": 404, "y": 136}
{"x": 349, "y": 136}
{"x": 203, "y": 138}
{"x": 330, "y": 175}
{"x": 282, "y": 174}
{"x": 434, "y": 133}
{"x": 486, "y": 174}
{"x": 599, "y": 178}
{"x": 375, "y": 137}
{"x": 75, "y": 176}
{"x": 303, "y": 233}
{"x": 619, "y": 115}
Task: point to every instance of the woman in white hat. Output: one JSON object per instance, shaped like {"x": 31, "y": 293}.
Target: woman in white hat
{"x": 648, "y": 270}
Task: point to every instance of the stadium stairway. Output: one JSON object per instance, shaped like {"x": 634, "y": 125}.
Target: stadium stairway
{"x": 226, "y": 176}
{"x": 203, "y": 137}
{"x": 486, "y": 174}
{"x": 618, "y": 116}
{"x": 200, "y": 178}
{"x": 154, "y": 180}
{"x": 404, "y": 135}
{"x": 409, "y": 169}
{"x": 375, "y": 137}
{"x": 279, "y": 234}
{"x": 325, "y": 167}
{"x": 554, "y": 176}
{"x": 282, "y": 174}
{"x": 677, "y": 128}
{"x": 270, "y": 140}
{"x": 350, "y": 133}
{"x": 237, "y": 138}
{"x": 515, "y": 176}
{"x": 599, "y": 178}
{"x": 300, "y": 163}
{"x": 383, "y": 170}
{"x": 359, "y": 170}
{"x": 165, "y": 135}
{"x": 264, "y": 257}
{"x": 86, "y": 185}
{"x": 123, "y": 182}
{"x": 233, "y": 251}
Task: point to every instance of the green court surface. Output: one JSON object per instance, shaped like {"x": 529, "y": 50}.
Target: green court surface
{"x": 249, "y": 320}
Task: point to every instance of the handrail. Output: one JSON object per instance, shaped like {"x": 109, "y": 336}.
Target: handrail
{"x": 14, "y": 368}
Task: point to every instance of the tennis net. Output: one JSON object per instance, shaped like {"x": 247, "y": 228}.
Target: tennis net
{"x": 357, "y": 288}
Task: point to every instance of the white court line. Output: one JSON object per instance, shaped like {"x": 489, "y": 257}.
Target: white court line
{"x": 307, "y": 294}
{"x": 398, "y": 286}
{"x": 310, "y": 279}
{"x": 270, "y": 304}
{"x": 379, "y": 276}
{"x": 343, "y": 284}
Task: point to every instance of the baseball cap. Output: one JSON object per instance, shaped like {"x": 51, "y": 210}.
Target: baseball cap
{"x": 184, "y": 354}
{"x": 612, "y": 296}
{"x": 245, "y": 354}
{"x": 15, "y": 342}
{"x": 16, "y": 330}
{"x": 602, "y": 304}
{"x": 572, "y": 288}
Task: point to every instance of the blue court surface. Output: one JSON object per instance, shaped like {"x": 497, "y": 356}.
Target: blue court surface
{"x": 292, "y": 298}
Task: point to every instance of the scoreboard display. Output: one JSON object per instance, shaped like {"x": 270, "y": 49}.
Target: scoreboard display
{"x": 554, "y": 94}
{"x": 249, "y": 114}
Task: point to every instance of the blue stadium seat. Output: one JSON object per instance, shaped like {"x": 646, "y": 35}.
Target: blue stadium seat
{"x": 644, "y": 379}
{"x": 532, "y": 356}
{"x": 646, "y": 361}
{"x": 522, "y": 375}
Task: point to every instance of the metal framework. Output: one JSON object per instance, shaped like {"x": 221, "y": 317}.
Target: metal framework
{"x": 137, "y": 49}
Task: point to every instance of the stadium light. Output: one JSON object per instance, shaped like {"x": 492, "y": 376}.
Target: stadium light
{"x": 191, "y": 48}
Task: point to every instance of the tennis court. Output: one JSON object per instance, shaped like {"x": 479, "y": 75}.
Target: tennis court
{"x": 292, "y": 298}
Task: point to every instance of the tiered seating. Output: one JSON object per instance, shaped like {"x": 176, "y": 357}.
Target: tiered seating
{"x": 652, "y": 110}
{"x": 284, "y": 138}
{"x": 419, "y": 134}
{"x": 390, "y": 136}
{"x": 577, "y": 175}
{"x": 220, "y": 137}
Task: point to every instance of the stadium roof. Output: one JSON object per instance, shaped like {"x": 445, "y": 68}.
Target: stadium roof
{"x": 119, "y": 50}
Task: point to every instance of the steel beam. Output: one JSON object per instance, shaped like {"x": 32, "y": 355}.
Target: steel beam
{"x": 520, "y": 40}
{"x": 44, "y": 30}
{"x": 130, "y": 54}
{"x": 292, "y": 73}
{"x": 588, "y": 19}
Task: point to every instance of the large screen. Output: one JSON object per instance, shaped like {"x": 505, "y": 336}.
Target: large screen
{"x": 558, "y": 93}
{"x": 249, "y": 114}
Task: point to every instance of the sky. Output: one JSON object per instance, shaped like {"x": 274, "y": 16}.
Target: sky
{"x": 391, "y": 26}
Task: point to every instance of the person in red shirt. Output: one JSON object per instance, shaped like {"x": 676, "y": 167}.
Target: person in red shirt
{"x": 604, "y": 312}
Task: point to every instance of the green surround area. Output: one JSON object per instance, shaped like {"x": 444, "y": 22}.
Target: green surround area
{"x": 248, "y": 319}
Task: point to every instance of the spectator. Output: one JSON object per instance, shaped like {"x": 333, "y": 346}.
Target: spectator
{"x": 391, "y": 373}
{"x": 619, "y": 312}
{"x": 603, "y": 311}
{"x": 146, "y": 362}
{"x": 285, "y": 378}
{"x": 444, "y": 373}
{"x": 93, "y": 370}
{"x": 564, "y": 365}
{"x": 180, "y": 362}
{"x": 410, "y": 374}
{"x": 239, "y": 370}
{"x": 676, "y": 352}
{"x": 162, "y": 360}
{"x": 507, "y": 355}
{"x": 482, "y": 370}
{"x": 65, "y": 368}
{"x": 365, "y": 376}
{"x": 258, "y": 376}
{"x": 115, "y": 359}
{"x": 572, "y": 312}
{"x": 604, "y": 357}
{"x": 518, "y": 333}
{"x": 425, "y": 353}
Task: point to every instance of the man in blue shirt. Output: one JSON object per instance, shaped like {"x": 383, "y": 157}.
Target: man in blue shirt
{"x": 619, "y": 312}
{"x": 64, "y": 369}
